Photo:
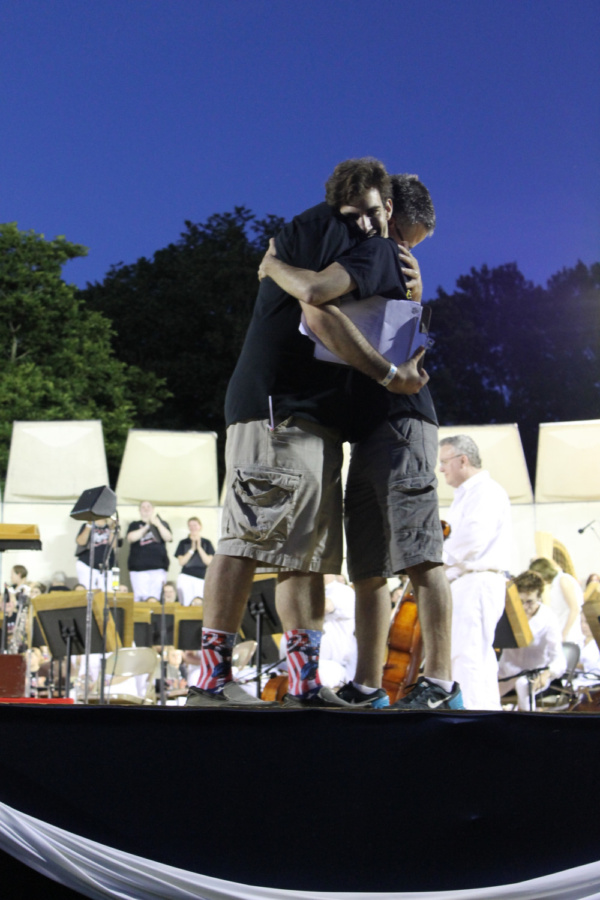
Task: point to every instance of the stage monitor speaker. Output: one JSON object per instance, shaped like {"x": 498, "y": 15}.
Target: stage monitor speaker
{"x": 95, "y": 503}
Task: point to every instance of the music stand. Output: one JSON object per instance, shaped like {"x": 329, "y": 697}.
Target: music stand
{"x": 63, "y": 620}
{"x": 260, "y": 618}
{"x": 188, "y": 628}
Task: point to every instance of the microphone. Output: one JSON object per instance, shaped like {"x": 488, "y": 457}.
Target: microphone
{"x": 585, "y": 527}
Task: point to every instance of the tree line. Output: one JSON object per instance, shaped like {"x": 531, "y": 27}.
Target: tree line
{"x": 154, "y": 343}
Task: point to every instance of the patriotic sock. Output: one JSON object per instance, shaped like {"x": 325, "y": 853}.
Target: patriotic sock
{"x": 215, "y": 659}
{"x": 303, "y": 647}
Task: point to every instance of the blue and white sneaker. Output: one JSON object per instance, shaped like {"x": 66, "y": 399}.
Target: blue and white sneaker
{"x": 377, "y": 700}
{"x": 427, "y": 695}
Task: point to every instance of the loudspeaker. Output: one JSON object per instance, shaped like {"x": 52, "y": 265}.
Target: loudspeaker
{"x": 95, "y": 503}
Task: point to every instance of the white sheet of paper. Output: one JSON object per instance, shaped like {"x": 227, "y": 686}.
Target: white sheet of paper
{"x": 391, "y": 326}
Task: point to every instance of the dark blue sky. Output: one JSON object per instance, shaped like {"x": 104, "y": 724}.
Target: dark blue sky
{"x": 122, "y": 118}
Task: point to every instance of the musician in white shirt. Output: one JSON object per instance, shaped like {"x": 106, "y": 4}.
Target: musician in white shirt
{"x": 545, "y": 651}
{"x": 477, "y": 557}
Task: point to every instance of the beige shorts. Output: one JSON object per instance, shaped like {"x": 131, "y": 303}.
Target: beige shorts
{"x": 283, "y": 505}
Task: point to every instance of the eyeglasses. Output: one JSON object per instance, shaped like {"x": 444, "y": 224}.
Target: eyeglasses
{"x": 448, "y": 458}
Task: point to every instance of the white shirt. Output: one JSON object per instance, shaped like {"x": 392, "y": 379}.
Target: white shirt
{"x": 544, "y": 651}
{"x": 562, "y": 609}
{"x": 481, "y": 528}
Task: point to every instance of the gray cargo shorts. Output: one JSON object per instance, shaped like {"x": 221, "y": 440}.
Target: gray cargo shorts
{"x": 392, "y": 514}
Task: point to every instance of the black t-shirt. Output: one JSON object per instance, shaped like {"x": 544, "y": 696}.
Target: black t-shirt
{"x": 102, "y": 538}
{"x": 149, "y": 552}
{"x": 195, "y": 567}
{"x": 376, "y": 268}
{"x": 278, "y": 361}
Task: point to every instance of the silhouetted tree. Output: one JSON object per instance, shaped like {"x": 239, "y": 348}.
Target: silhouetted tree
{"x": 509, "y": 351}
{"x": 183, "y": 314}
{"x": 56, "y": 358}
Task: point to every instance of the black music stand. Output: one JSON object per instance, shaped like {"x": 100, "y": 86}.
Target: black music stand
{"x": 63, "y": 619}
{"x": 260, "y": 618}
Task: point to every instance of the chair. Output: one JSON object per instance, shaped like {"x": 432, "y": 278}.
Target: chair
{"x": 243, "y": 653}
{"x": 560, "y": 695}
{"x": 123, "y": 665}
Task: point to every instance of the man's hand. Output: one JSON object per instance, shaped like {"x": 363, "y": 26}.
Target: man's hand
{"x": 412, "y": 273}
{"x": 264, "y": 265}
{"x": 411, "y": 376}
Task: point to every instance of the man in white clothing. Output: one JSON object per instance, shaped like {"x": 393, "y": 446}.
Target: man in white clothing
{"x": 545, "y": 650}
{"x": 477, "y": 556}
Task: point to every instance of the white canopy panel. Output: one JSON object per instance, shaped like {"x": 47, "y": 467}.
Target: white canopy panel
{"x": 55, "y": 461}
{"x": 176, "y": 468}
{"x": 568, "y": 462}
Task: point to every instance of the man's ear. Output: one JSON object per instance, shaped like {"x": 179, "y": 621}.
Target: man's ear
{"x": 393, "y": 230}
{"x": 389, "y": 208}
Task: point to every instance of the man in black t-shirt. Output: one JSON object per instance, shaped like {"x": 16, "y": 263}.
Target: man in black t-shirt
{"x": 392, "y": 512}
{"x": 287, "y": 414}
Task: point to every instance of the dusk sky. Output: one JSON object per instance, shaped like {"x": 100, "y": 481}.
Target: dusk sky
{"x": 123, "y": 118}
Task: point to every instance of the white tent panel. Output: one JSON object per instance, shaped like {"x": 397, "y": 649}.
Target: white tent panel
{"x": 501, "y": 454}
{"x": 55, "y": 461}
{"x": 563, "y": 521}
{"x": 178, "y": 468}
{"x": 568, "y": 462}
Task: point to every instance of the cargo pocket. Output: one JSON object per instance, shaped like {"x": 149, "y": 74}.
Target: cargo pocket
{"x": 262, "y": 505}
{"x": 414, "y": 505}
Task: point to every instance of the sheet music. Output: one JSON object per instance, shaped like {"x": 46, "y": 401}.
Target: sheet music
{"x": 391, "y": 326}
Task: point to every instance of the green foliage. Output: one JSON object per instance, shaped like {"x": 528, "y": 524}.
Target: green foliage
{"x": 56, "y": 359}
{"x": 183, "y": 314}
{"x": 508, "y": 351}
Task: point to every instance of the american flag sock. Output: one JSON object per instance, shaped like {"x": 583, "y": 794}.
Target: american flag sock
{"x": 215, "y": 659}
{"x": 303, "y": 647}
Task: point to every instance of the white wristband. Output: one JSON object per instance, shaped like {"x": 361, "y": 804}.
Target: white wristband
{"x": 390, "y": 376}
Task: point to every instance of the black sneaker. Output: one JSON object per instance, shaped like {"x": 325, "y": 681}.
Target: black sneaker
{"x": 427, "y": 695}
{"x": 324, "y": 698}
{"x": 231, "y": 696}
{"x": 378, "y": 699}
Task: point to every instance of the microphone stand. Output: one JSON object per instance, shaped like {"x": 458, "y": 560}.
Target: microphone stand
{"x": 88, "y": 616}
{"x": 163, "y": 641}
{"x": 111, "y": 546}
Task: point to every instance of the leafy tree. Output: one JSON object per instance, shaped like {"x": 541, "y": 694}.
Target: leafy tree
{"x": 183, "y": 314}
{"x": 508, "y": 351}
{"x": 56, "y": 359}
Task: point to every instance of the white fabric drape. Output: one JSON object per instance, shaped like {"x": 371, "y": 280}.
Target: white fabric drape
{"x": 99, "y": 871}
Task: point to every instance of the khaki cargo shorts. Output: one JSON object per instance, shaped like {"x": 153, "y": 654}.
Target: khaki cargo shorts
{"x": 283, "y": 505}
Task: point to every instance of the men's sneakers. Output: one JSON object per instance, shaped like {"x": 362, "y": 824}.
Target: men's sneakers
{"x": 427, "y": 695}
{"x": 231, "y": 696}
{"x": 324, "y": 698}
{"x": 378, "y": 699}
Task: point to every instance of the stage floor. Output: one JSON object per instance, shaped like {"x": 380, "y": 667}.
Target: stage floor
{"x": 319, "y": 800}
